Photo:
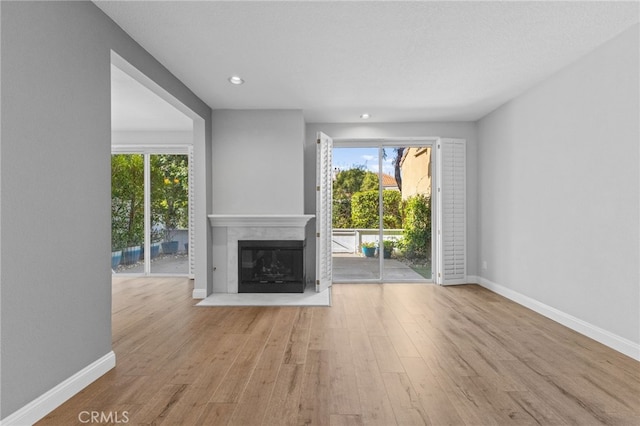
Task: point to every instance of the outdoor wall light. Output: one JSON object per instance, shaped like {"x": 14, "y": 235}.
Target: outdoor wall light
{"x": 365, "y": 116}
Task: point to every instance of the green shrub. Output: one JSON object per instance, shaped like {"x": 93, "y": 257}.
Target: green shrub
{"x": 417, "y": 227}
{"x": 341, "y": 215}
{"x": 365, "y": 211}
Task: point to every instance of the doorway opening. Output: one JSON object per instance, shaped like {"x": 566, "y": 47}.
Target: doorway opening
{"x": 381, "y": 211}
{"x": 153, "y": 139}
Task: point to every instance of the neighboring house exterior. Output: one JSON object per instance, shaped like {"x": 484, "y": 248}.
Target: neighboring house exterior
{"x": 415, "y": 167}
{"x": 389, "y": 182}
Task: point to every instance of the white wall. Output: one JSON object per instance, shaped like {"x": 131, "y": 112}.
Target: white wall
{"x": 559, "y": 192}
{"x": 464, "y": 130}
{"x": 258, "y": 162}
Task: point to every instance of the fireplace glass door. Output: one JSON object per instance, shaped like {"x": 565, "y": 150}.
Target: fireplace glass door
{"x": 271, "y": 267}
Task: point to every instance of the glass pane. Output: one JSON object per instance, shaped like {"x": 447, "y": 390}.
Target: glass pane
{"x": 271, "y": 266}
{"x": 407, "y": 213}
{"x": 127, "y": 212}
{"x": 169, "y": 214}
{"x": 355, "y": 214}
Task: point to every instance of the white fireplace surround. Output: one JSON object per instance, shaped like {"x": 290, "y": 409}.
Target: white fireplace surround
{"x": 229, "y": 228}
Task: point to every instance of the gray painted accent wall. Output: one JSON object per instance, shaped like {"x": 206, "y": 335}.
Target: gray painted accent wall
{"x": 55, "y": 166}
{"x": 558, "y": 182}
{"x": 257, "y": 161}
{"x": 364, "y": 131}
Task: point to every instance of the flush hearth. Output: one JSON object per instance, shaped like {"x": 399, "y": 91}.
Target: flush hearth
{"x": 271, "y": 266}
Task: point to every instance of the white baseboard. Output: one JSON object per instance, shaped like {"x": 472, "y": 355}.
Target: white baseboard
{"x": 598, "y": 334}
{"x": 199, "y": 293}
{"x": 52, "y": 399}
{"x": 473, "y": 279}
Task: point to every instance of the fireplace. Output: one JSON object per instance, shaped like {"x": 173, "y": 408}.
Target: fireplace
{"x": 271, "y": 266}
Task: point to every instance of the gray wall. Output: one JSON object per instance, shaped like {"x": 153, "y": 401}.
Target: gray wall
{"x": 464, "y": 130}
{"x": 558, "y": 189}
{"x": 141, "y": 137}
{"x": 257, "y": 162}
{"x": 56, "y": 130}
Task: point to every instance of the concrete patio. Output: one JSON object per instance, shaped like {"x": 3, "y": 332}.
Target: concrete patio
{"x": 352, "y": 267}
{"x": 346, "y": 267}
{"x": 164, "y": 264}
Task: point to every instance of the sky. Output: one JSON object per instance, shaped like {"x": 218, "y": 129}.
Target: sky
{"x": 347, "y": 158}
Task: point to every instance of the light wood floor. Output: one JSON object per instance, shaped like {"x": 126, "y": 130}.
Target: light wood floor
{"x": 382, "y": 355}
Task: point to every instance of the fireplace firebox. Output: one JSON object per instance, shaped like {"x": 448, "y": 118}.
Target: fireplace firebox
{"x": 271, "y": 266}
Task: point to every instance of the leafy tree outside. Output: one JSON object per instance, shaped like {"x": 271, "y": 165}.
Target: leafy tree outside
{"x": 397, "y": 169}
{"x": 346, "y": 184}
{"x": 127, "y": 200}
{"x": 370, "y": 182}
{"x": 169, "y": 198}
{"x": 169, "y": 194}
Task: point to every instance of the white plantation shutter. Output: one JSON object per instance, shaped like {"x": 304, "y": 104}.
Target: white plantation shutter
{"x": 192, "y": 215}
{"x": 324, "y": 197}
{"x": 452, "y": 221}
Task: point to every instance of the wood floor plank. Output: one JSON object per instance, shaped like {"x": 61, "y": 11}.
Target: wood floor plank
{"x": 568, "y": 406}
{"x": 156, "y": 410}
{"x": 253, "y": 403}
{"x": 383, "y": 354}
{"x": 208, "y": 376}
{"x": 314, "y": 400}
{"x": 386, "y": 355}
{"x": 404, "y": 401}
{"x": 240, "y": 372}
{"x": 432, "y": 395}
{"x": 345, "y": 420}
{"x": 216, "y": 414}
{"x": 296, "y": 351}
{"x": 283, "y": 406}
{"x": 374, "y": 401}
{"x": 343, "y": 397}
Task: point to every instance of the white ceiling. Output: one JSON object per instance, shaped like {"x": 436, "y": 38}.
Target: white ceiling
{"x": 399, "y": 61}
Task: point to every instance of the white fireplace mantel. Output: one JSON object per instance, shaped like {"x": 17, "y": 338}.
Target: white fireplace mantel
{"x": 261, "y": 221}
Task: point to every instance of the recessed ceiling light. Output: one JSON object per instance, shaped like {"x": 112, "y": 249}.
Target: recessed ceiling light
{"x": 365, "y": 116}
{"x": 235, "y": 79}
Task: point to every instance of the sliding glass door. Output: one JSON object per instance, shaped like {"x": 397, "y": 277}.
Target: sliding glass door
{"x": 382, "y": 212}
{"x": 356, "y": 206}
{"x": 150, "y": 212}
{"x": 408, "y": 239}
{"x": 169, "y": 202}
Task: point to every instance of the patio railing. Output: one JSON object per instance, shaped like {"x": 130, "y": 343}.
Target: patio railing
{"x": 350, "y": 240}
